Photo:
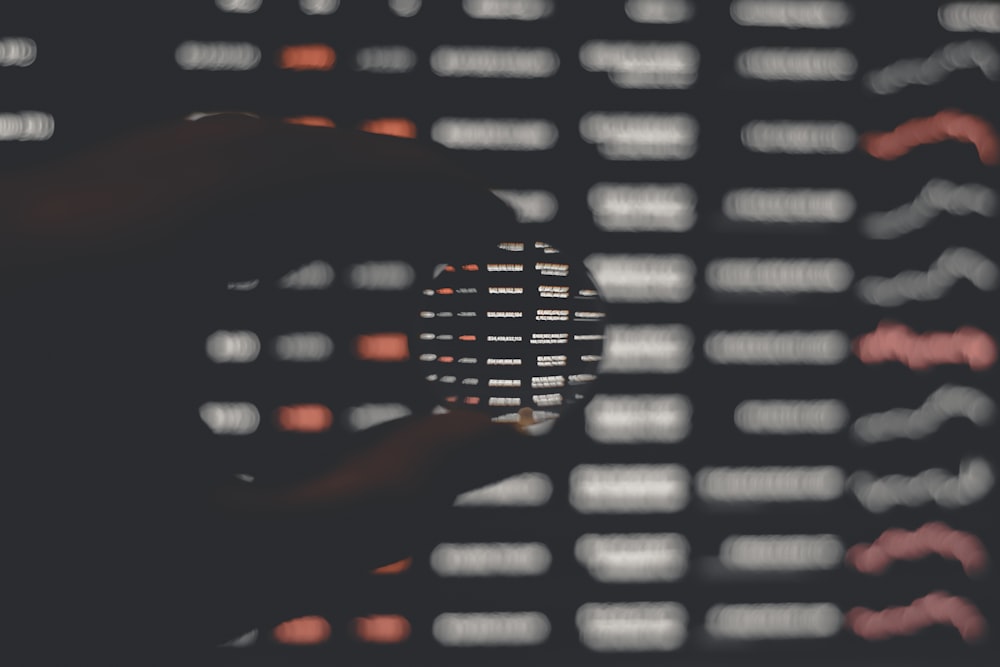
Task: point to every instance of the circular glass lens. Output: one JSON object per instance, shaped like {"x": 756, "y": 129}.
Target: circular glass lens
{"x": 516, "y": 330}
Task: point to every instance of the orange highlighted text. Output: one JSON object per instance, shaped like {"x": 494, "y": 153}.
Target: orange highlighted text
{"x": 393, "y": 127}
{"x": 381, "y": 629}
{"x": 306, "y": 57}
{"x": 303, "y": 631}
{"x": 390, "y": 346}
{"x": 312, "y": 121}
{"x": 304, "y": 418}
{"x": 398, "y": 567}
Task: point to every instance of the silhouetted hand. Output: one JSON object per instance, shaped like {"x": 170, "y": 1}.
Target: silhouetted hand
{"x": 117, "y": 532}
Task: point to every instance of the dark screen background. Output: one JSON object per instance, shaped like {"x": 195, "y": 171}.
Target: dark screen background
{"x": 103, "y": 69}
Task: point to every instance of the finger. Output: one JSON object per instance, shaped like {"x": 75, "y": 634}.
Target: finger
{"x": 436, "y": 455}
{"x": 145, "y": 185}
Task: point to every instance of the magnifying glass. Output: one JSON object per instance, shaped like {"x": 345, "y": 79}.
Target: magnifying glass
{"x": 478, "y": 315}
